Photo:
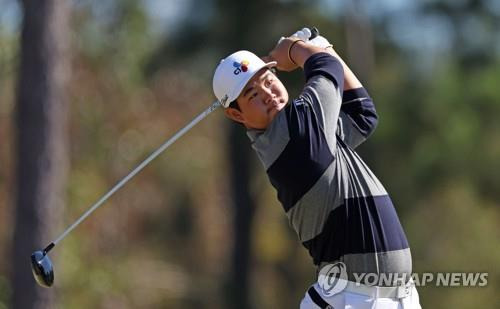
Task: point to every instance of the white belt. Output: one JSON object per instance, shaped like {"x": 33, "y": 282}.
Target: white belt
{"x": 378, "y": 291}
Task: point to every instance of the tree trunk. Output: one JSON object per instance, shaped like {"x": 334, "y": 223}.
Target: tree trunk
{"x": 244, "y": 209}
{"x": 239, "y": 285}
{"x": 41, "y": 123}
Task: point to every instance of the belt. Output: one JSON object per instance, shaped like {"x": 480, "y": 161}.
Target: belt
{"x": 373, "y": 291}
{"x": 399, "y": 292}
{"x": 316, "y": 298}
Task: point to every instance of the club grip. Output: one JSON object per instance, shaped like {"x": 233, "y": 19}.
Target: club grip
{"x": 48, "y": 248}
{"x": 314, "y": 33}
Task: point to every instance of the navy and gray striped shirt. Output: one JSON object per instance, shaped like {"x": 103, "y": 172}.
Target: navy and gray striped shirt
{"x": 339, "y": 209}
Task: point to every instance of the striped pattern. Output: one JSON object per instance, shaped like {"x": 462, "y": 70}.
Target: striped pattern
{"x": 339, "y": 209}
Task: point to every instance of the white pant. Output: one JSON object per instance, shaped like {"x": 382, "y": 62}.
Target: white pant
{"x": 352, "y": 300}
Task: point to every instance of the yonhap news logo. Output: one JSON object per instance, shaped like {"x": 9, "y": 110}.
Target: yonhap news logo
{"x": 332, "y": 279}
{"x": 439, "y": 279}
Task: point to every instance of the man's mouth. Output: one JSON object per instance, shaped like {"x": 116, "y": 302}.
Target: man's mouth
{"x": 273, "y": 106}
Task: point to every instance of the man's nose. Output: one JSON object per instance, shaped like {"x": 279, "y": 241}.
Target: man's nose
{"x": 267, "y": 96}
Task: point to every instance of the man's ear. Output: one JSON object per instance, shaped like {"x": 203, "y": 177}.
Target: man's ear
{"x": 234, "y": 114}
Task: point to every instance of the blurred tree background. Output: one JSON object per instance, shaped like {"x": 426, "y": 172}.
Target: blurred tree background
{"x": 201, "y": 226}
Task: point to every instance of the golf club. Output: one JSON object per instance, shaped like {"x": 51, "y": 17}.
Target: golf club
{"x": 314, "y": 33}
{"x": 41, "y": 265}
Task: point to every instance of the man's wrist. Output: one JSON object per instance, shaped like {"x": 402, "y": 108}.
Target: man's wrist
{"x": 290, "y": 50}
{"x": 299, "y": 52}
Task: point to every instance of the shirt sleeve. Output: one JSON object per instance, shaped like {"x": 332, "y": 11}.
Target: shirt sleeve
{"x": 323, "y": 92}
{"x": 358, "y": 118}
{"x": 325, "y": 65}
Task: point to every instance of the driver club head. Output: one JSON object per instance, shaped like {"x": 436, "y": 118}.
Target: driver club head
{"x": 42, "y": 268}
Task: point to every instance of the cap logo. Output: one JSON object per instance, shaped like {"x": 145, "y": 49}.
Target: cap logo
{"x": 240, "y": 67}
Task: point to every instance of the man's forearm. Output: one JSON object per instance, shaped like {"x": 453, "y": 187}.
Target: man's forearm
{"x": 350, "y": 80}
{"x": 301, "y": 51}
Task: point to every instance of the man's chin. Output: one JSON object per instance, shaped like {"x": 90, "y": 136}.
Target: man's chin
{"x": 276, "y": 109}
{"x": 273, "y": 112}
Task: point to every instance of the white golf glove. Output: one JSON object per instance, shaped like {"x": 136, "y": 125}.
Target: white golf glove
{"x": 305, "y": 34}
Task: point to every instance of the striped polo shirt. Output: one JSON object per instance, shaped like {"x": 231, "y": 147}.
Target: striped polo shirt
{"x": 339, "y": 209}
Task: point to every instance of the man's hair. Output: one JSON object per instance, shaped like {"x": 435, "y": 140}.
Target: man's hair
{"x": 235, "y": 105}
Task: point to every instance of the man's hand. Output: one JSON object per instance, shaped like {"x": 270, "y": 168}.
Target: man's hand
{"x": 318, "y": 41}
{"x": 305, "y": 35}
{"x": 280, "y": 54}
{"x": 301, "y": 51}
{"x": 350, "y": 80}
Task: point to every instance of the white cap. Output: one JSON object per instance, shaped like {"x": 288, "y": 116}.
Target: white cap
{"x": 234, "y": 72}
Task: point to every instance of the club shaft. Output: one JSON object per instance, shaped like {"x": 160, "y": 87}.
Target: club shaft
{"x": 136, "y": 170}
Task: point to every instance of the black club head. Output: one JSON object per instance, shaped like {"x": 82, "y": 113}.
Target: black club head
{"x": 42, "y": 268}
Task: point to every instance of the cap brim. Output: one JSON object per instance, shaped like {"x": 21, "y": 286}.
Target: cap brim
{"x": 271, "y": 64}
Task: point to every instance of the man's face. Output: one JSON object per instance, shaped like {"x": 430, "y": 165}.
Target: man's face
{"x": 260, "y": 101}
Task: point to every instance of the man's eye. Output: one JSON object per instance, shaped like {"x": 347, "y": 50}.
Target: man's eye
{"x": 268, "y": 82}
{"x": 253, "y": 95}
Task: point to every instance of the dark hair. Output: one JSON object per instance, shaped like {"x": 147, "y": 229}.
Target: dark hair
{"x": 235, "y": 105}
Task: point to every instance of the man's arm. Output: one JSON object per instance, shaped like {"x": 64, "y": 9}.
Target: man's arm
{"x": 350, "y": 80}
{"x": 324, "y": 83}
{"x": 358, "y": 116}
{"x": 292, "y": 53}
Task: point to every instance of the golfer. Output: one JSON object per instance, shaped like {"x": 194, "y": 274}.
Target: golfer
{"x": 341, "y": 212}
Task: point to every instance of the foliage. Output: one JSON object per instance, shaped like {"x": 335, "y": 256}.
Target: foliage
{"x": 164, "y": 241}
